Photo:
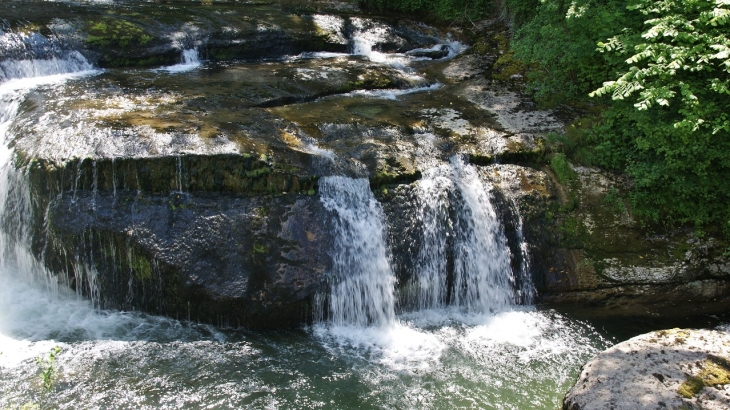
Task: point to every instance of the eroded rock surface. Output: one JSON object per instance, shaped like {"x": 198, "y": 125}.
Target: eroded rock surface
{"x": 666, "y": 369}
{"x": 607, "y": 259}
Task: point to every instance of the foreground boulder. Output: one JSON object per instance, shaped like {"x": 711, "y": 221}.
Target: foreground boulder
{"x": 675, "y": 369}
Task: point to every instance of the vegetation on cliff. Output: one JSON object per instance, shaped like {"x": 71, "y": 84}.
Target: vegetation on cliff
{"x": 653, "y": 76}
{"x": 659, "y": 68}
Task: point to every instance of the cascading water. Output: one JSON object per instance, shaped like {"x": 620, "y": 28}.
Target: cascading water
{"x": 40, "y": 62}
{"x": 511, "y": 359}
{"x": 526, "y": 292}
{"x": 458, "y": 215}
{"x": 361, "y": 279}
{"x": 189, "y": 60}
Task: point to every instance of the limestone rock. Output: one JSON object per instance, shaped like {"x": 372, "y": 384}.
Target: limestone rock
{"x": 675, "y": 369}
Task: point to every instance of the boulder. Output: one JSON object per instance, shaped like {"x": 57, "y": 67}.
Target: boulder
{"x": 665, "y": 369}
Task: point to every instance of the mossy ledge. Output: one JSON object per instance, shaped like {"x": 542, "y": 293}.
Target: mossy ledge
{"x": 382, "y": 179}
{"x": 224, "y": 173}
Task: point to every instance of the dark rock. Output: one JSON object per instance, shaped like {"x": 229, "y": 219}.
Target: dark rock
{"x": 432, "y": 53}
{"x": 228, "y": 260}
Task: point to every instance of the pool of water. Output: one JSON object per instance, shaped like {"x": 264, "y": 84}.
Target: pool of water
{"x": 517, "y": 359}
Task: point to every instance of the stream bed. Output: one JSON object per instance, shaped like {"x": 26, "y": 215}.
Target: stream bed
{"x": 328, "y": 189}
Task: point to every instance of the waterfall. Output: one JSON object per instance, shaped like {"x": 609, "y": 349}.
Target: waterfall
{"x": 526, "y": 292}
{"x": 361, "y": 279}
{"x": 464, "y": 261}
{"x": 31, "y": 61}
{"x": 189, "y": 60}
{"x": 459, "y": 222}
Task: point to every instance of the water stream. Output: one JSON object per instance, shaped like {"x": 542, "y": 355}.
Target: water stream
{"x": 457, "y": 211}
{"x": 465, "y": 343}
{"x": 189, "y": 60}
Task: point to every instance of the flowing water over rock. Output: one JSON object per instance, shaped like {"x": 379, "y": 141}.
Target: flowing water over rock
{"x": 457, "y": 212}
{"x": 362, "y": 286}
{"x": 283, "y": 170}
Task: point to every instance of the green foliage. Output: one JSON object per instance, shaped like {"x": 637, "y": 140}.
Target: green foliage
{"x": 574, "y": 142}
{"x": 559, "y": 37}
{"x": 445, "y": 10}
{"x": 614, "y": 201}
{"x": 48, "y": 378}
{"x": 260, "y": 249}
{"x": 661, "y": 67}
{"x": 49, "y": 371}
{"x": 560, "y": 165}
{"x": 669, "y": 126}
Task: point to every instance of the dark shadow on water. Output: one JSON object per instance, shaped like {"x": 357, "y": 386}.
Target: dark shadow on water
{"x": 623, "y": 323}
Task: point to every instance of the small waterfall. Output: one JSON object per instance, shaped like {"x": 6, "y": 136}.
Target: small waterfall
{"x": 362, "y": 281}
{"x": 27, "y": 56}
{"x": 190, "y": 57}
{"x": 31, "y": 61}
{"x": 189, "y": 60}
{"x": 178, "y": 174}
{"x": 526, "y": 292}
{"x": 368, "y": 34}
{"x": 460, "y": 222}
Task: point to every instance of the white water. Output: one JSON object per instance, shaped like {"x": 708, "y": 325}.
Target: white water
{"x": 22, "y": 277}
{"x": 364, "y": 356}
{"x": 189, "y": 60}
{"x": 362, "y": 282}
{"x": 526, "y": 291}
{"x": 393, "y": 94}
{"x": 369, "y": 33}
{"x": 366, "y": 36}
{"x": 456, "y": 207}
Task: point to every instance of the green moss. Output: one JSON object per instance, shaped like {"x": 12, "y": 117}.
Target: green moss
{"x": 141, "y": 268}
{"x": 715, "y": 371}
{"x": 690, "y": 387}
{"x": 562, "y": 168}
{"x": 112, "y": 32}
{"x": 260, "y": 249}
{"x": 507, "y": 66}
{"x": 573, "y": 233}
{"x": 391, "y": 178}
{"x": 478, "y": 159}
{"x": 255, "y": 173}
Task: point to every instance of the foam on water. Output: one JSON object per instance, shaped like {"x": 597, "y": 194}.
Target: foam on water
{"x": 436, "y": 358}
{"x": 313, "y": 55}
{"x": 398, "y": 346}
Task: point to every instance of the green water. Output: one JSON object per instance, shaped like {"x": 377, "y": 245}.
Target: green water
{"x": 521, "y": 359}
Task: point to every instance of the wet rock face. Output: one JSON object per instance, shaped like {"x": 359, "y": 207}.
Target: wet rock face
{"x": 675, "y": 369}
{"x": 148, "y": 34}
{"x": 225, "y": 260}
